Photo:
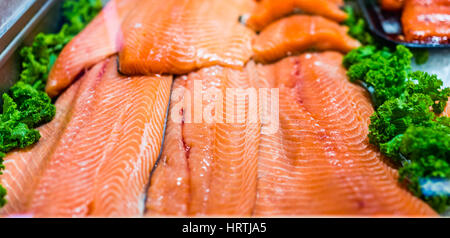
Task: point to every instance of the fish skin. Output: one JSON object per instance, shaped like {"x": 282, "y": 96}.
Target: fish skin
{"x": 125, "y": 197}
{"x": 24, "y": 167}
{"x": 319, "y": 163}
{"x": 185, "y": 35}
{"x": 99, "y": 40}
{"x": 110, "y": 117}
{"x": 268, "y": 11}
{"x": 207, "y": 168}
{"x": 299, "y": 33}
{"x": 426, "y": 21}
{"x": 169, "y": 190}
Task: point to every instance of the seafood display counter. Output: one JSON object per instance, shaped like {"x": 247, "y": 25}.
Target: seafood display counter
{"x": 143, "y": 108}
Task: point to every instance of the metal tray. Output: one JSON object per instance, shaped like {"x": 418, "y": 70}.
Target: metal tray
{"x": 39, "y": 16}
{"x": 387, "y": 25}
{"x": 30, "y": 18}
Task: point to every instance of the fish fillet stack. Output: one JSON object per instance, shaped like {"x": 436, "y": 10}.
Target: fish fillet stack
{"x": 251, "y": 130}
{"x": 423, "y": 21}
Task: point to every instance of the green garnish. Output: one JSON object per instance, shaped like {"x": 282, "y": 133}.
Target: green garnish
{"x": 428, "y": 150}
{"x": 383, "y": 70}
{"x": 357, "y": 27}
{"x": 26, "y": 105}
{"x": 421, "y": 56}
{"x": 406, "y": 125}
{"x": 2, "y": 193}
{"x": 418, "y": 106}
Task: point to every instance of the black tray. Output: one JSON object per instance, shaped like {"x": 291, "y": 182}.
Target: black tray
{"x": 387, "y": 25}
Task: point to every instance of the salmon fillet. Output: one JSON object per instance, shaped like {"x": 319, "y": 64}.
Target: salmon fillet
{"x": 95, "y": 43}
{"x": 320, "y": 161}
{"x": 299, "y": 33}
{"x": 392, "y": 5}
{"x": 446, "y": 111}
{"x": 180, "y": 36}
{"x": 102, "y": 162}
{"x": 268, "y": 11}
{"x": 24, "y": 167}
{"x": 427, "y": 21}
{"x": 209, "y": 159}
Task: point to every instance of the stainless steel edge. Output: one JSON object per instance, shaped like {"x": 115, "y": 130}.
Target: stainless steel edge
{"x": 18, "y": 20}
{"x": 43, "y": 16}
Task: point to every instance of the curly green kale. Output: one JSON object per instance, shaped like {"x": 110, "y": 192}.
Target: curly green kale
{"x": 412, "y": 173}
{"x": 26, "y": 105}
{"x": 14, "y": 133}
{"x": 38, "y": 59}
{"x": 421, "y": 56}
{"x": 431, "y": 85}
{"x": 2, "y": 189}
{"x": 357, "y": 27}
{"x": 408, "y": 130}
{"x": 78, "y": 13}
{"x": 395, "y": 116}
{"x": 2, "y": 195}
{"x": 383, "y": 71}
{"x": 35, "y": 106}
{"x": 421, "y": 101}
{"x": 422, "y": 141}
{"x": 362, "y": 53}
{"x": 428, "y": 151}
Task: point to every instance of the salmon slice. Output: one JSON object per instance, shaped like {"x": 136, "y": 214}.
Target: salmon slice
{"x": 299, "y": 33}
{"x": 179, "y": 36}
{"x": 121, "y": 179}
{"x": 209, "y": 160}
{"x": 319, "y": 161}
{"x": 427, "y": 21}
{"x": 95, "y": 43}
{"x": 392, "y": 5}
{"x": 24, "y": 167}
{"x": 268, "y": 11}
{"x": 446, "y": 111}
{"x": 102, "y": 162}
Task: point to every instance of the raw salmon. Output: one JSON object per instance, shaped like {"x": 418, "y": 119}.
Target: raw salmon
{"x": 268, "y": 11}
{"x": 24, "y": 167}
{"x": 96, "y": 42}
{"x": 209, "y": 160}
{"x": 392, "y": 5}
{"x": 102, "y": 162}
{"x": 427, "y": 21}
{"x": 320, "y": 161}
{"x": 299, "y": 33}
{"x": 446, "y": 111}
{"x": 179, "y": 36}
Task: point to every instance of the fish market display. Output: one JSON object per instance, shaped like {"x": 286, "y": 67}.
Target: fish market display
{"x": 299, "y": 33}
{"x": 268, "y": 11}
{"x": 241, "y": 108}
